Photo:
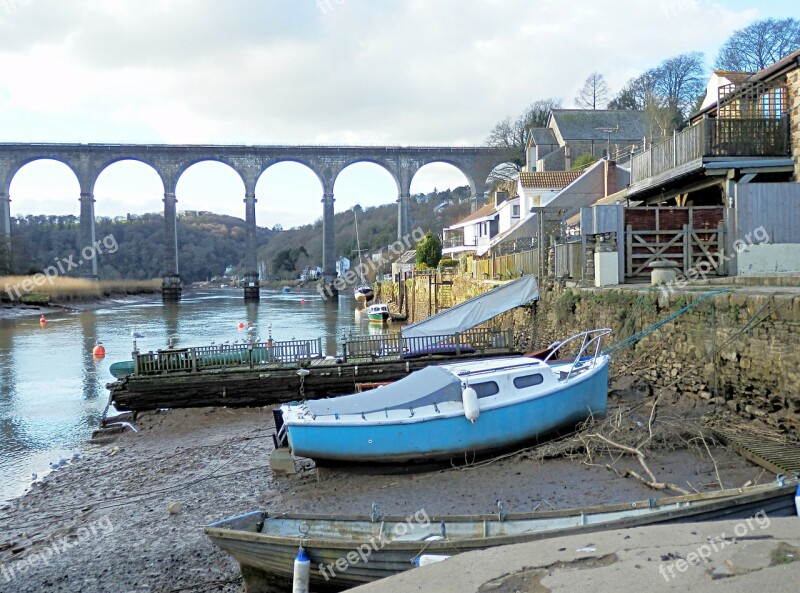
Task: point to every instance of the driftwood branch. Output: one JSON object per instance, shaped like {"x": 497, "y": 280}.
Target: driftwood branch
{"x": 652, "y": 482}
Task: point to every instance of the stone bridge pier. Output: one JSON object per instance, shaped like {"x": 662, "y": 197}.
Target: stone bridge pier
{"x": 88, "y": 161}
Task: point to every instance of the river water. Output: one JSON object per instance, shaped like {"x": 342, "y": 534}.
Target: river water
{"x": 52, "y": 390}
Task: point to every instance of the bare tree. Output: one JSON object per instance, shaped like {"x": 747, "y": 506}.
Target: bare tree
{"x": 678, "y": 81}
{"x": 635, "y": 95}
{"x": 760, "y": 44}
{"x": 513, "y": 135}
{"x": 593, "y": 93}
{"x": 667, "y": 93}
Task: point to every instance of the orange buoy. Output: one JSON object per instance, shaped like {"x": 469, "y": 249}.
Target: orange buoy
{"x": 99, "y": 351}
{"x": 42, "y": 320}
{"x": 241, "y": 325}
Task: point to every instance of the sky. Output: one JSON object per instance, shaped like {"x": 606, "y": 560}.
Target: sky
{"x": 389, "y": 72}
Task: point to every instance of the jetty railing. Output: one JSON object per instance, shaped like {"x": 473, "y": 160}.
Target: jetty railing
{"x": 395, "y": 345}
{"x": 227, "y": 356}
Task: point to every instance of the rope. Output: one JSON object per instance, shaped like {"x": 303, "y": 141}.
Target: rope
{"x": 630, "y": 341}
{"x": 754, "y": 321}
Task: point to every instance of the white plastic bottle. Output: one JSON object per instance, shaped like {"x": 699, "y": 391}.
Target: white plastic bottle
{"x": 302, "y": 572}
{"x": 425, "y": 559}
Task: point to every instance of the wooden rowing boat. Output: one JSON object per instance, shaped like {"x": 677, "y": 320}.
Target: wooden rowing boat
{"x": 349, "y": 551}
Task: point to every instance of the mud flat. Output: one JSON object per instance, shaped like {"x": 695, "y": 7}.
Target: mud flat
{"x": 128, "y": 516}
{"x": 19, "y": 310}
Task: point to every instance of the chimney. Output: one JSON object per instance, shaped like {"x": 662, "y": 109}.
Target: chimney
{"x": 611, "y": 177}
{"x": 500, "y": 196}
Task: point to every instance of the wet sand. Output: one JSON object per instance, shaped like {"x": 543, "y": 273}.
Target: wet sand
{"x": 107, "y": 513}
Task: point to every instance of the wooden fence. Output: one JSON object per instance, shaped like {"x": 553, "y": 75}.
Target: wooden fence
{"x": 713, "y": 137}
{"x": 507, "y": 266}
{"x": 226, "y": 356}
{"x": 395, "y": 345}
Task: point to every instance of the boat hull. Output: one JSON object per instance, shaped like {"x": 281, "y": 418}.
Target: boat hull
{"x": 432, "y": 438}
{"x": 267, "y": 559}
{"x": 364, "y": 296}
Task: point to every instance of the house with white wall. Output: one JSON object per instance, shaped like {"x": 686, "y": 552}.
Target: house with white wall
{"x": 472, "y": 233}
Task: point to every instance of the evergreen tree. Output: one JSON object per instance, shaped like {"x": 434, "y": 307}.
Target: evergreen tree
{"x": 429, "y": 251}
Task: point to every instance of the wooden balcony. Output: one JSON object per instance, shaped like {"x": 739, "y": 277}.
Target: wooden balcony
{"x": 710, "y": 139}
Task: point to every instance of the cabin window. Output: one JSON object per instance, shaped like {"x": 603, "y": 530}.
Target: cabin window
{"x": 515, "y": 210}
{"x": 524, "y": 381}
{"x": 486, "y": 389}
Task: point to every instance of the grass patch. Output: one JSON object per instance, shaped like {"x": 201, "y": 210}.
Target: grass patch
{"x": 565, "y": 305}
{"x": 36, "y": 298}
{"x": 39, "y": 290}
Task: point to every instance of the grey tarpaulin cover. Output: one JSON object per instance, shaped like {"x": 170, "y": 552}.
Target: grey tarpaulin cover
{"x": 476, "y": 310}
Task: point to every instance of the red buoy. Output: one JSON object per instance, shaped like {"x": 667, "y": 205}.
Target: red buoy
{"x": 241, "y": 325}
{"x": 42, "y": 320}
{"x": 99, "y": 351}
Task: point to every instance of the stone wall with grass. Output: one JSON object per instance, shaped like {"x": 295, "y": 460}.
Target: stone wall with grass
{"x": 740, "y": 350}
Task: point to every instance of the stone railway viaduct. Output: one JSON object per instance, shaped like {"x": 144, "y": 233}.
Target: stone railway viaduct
{"x": 87, "y": 161}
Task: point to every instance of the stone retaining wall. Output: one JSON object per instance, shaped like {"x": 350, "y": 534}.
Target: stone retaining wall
{"x": 740, "y": 350}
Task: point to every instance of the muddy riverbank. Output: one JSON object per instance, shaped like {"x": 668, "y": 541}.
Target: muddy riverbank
{"x": 19, "y": 310}
{"x": 101, "y": 523}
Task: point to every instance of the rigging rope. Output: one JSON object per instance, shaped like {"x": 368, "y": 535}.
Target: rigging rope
{"x": 631, "y": 340}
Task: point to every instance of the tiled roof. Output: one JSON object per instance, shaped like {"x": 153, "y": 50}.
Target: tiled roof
{"x": 593, "y": 124}
{"x": 542, "y": 136}
{"x": 487, "y": 210}
{"x": 762, "y": 74}
{"x": 736, "y": 78}
{"x": 548, "y": 179}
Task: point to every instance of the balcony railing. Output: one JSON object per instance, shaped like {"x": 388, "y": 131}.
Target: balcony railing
{"x": 452, "y": 242}
{"x": 713, "y": 138}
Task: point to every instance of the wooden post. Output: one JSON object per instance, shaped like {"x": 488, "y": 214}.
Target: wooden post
{"x": 430, "y": 296}
{"x": 674, "y": 148}
{"x": 628, "y": 249}
{"x": 687, "y": 249}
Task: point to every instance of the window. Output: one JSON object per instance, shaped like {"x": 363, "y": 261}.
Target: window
{"x": 515, "y": 210}
{"x": 524, "y": 381}
{"x": 486, "y": 389}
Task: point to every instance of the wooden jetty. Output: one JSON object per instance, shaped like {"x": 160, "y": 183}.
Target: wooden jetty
{"x": 276, "y": 372}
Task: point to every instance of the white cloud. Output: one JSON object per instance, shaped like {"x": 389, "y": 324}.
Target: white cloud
{"x": 358, "y": 72}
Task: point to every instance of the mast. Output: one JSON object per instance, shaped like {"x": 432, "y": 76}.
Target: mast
{"x": 358, "y": 247}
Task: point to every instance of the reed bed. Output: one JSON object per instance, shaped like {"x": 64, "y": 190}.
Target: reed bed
{"x": 64, "y": 289}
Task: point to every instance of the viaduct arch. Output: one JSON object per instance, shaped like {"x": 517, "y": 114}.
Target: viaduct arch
{"x": 87, "y": 161}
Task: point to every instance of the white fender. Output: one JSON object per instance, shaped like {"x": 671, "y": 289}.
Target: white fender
{"x": 470, "y": 399}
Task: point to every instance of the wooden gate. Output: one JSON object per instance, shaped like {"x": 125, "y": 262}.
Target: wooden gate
{"x": 691, "y": 238}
